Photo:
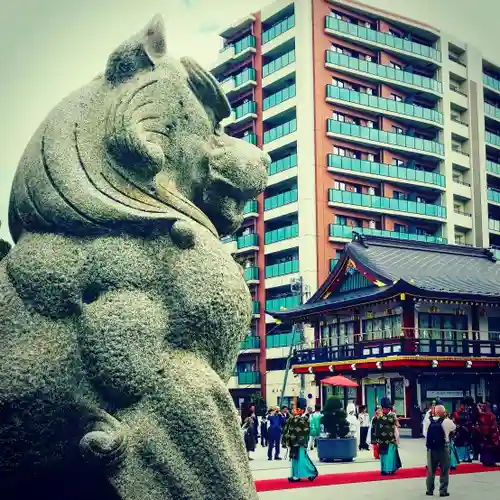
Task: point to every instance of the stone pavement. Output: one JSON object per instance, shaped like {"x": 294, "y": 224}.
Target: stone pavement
{"x": 412, "y": 452}
{"x": 463, "y": 487}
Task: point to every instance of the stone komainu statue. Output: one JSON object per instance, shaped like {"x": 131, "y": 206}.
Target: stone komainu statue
{"x": 121, "y": 313}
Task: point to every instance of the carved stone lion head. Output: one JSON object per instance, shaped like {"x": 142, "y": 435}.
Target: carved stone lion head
{"x": 139, "y": 145}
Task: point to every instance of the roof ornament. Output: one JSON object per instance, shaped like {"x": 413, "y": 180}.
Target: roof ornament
{"x": 490, "y": 254}
{"x": 359, "y": 238}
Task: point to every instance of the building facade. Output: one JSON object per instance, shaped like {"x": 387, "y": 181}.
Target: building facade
{"x": 376, "y": 124}
{"x": 390, "y": 319}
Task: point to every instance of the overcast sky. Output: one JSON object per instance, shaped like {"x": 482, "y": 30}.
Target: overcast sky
{"x": 51, "y": 47}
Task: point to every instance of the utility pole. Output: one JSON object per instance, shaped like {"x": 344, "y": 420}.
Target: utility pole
{"x": 298, "y": 288}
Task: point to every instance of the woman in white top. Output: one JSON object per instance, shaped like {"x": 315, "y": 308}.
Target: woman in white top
{"x": 364, "y": 423}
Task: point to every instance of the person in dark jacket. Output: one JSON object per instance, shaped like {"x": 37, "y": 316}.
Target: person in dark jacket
{"x": 263, "y": 429}
{"x": 275, "y": 424}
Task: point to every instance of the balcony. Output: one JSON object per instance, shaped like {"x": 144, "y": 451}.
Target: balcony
{"x": 251, "y": 275}
{"x": 235, "y": 52}
{"x": 491, "y": 83}
{"x": 400, "y": 142}
{"x": 281, "y": 199}
{"x": 248, "y": 378}
{"x": 281, "y": 269}
{"x": 460, "y": 158}
{"x": 280, "y": 131}
{"x": 492, "y": 139}
{"x": 252, "y": 342}
{"x": 278, "y": 63}
{"x": 282, "y": 164}
{"x": 494, "y": 226}
{"x": 255, "y": 308}
{"x": 496, "y": 252}
{"x": 388, "y": 106}
{"x": 248, "y": 242}
{"x": 280, "y": 303}
{"x": 372, "y": 203}
{"x": 251, "y": 209}
{"x": 278, "y": 29}
{"x": 239, "y": 83}
{"x": 383, "y": 73}
{"x": 339, "y": 232}
{"x": 372, "y": 170}
{"x": 279, "y": 97}
{"x": 281, "y": 234}
{"x": 493, "y": 168}
{"x": 387, "y": 343}
{"x": 283, "y": 340}
{"x": 251, "y": 138}
{"x": 242, "y": 114}
{"x": 492, "y": 111}
{"x": 493, "y": 195}
{"x": 378, "y": 38}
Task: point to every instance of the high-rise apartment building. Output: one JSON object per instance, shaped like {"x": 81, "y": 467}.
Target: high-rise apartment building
{"x": 376, "y": 124}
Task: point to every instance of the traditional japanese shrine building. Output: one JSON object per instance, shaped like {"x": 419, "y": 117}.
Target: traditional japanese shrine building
{"x": 410, "y": 320}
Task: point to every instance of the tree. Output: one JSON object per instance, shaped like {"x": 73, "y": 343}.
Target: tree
{"x": 334, "y": 418}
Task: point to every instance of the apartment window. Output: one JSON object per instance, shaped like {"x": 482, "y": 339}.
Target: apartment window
{"x": 356, "y": 223}
{"x": 397, "y": 163}
{"x": 336, "y": 15}
{"x": 372, "y": 224}
{"x": 366, "y": 57}
{"x": 338, "y": 83}
{"x": 395, "y": 33}
{"x": 396, "y": 65}
{"x": 341, "y": 220}
{"x": 341, "y": 50}
{"x": 370, "y": 124}
{"x": 371, "y": 190}
{"x": 400, "y": 228}
{"x": 459, "y": 238}
{"x": 397, "y": 98}
{"x": 420, "y": 231}
{"x": 366, "y": 24}
{"x": 339, "y": 185}
{"x": 398, "y": 195}
{"x": 397, "y": 130}
{"x": 338, "y": 116}
{"x": 338, "y": 151}
{"x": 370, "y": 157}
{"x": 352, "y": 154}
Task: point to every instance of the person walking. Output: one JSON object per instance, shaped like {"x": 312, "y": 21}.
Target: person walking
{"x": 249, "y": 435}
{"x": 489, "y": 441}
{"x": 384, "y": 435}
{"x": 314, "y": 427}
{"x": 263, "y": 430}
{"x": 364, "y": 423}
{"x": 275, "y": 423}
{"x": 437, "y": 429}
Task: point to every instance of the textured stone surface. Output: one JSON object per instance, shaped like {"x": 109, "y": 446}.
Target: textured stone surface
{"x": 121, "y": 313}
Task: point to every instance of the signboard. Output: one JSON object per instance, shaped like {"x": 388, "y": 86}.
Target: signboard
{"x": 373, "y": 381}
{"x": 445, "y": 394}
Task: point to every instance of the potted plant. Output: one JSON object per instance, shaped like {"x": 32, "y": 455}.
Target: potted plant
{"x": 337, "y": 445}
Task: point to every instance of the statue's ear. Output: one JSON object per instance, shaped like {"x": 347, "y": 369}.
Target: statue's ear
{"x": 142, "y": 52}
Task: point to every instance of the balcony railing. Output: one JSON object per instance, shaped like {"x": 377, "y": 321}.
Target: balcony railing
{"x": 339, "y": 231}
{"x": 278, "y": 29}
{"x": 282, "y": 303}
{"x": 245, "y": 76}
{"x": 491, "y": 111}
{"x": 280, "y": 131}
{"x": 382, "y": 203}
{"x": 249, "y": 240}
{"x": 496, "y": 252}
{"x": 381, "y": 71}
{"x": 281, "y": 234}
{"x": 494, "y": 225}
{"x": 281, "y": 199}
{"x": 411, "y": 110}
{"x": 248, "y": 378}
{"x": 282, "y": 164}
{"x": 274, "y": 270}
{"x": 279, "y": 97}
{"x": 493, "y": 167}
{"x": 279, "y": 63}
{"x": 491, "y": 82}
{"x": 255, "y": 307}
{"x": 247, "y": 108}
{"x": 250, "y": 342}
{"x": 492, "y": 139}
{"x": 251, "y": 273}
{"x": 381, "y": 38}
{"x": 251, "y": 207}
{"x": 493, "y": 195}
{"x": 387, "y": 343}
{"x": 251, "y": 138}
{"x": 391, "y": 138}
{"x": 248, "y": 42}
{"x": 382, "y": 169}
{"x": 333, "y": 263}
{"x": 283, "y": 339}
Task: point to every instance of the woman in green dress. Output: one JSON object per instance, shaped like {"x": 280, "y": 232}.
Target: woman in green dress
{"x": 296, "y": 438}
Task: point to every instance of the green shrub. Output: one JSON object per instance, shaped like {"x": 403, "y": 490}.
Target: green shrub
{"x": 334, "y": 418}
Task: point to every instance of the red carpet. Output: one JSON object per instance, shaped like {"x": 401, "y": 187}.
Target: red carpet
{"x": 362, "y": 477}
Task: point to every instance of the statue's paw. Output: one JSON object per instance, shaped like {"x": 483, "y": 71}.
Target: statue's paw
{"x": 107, "y": 443}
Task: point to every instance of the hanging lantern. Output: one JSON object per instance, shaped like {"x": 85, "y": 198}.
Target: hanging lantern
{"x": 353, "y": 367}
{"x": 379, "y": 365}
{"x": 310, "y": 369}
{"x": 435, "y": 364}
{"x": 468, "y": 364}
{"x": 331, "y": 368}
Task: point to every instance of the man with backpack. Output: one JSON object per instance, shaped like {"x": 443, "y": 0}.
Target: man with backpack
{"x": 437, "y": 429}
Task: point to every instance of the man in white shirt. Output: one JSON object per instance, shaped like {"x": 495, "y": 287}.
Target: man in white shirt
{"x": 437, "y": 429}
